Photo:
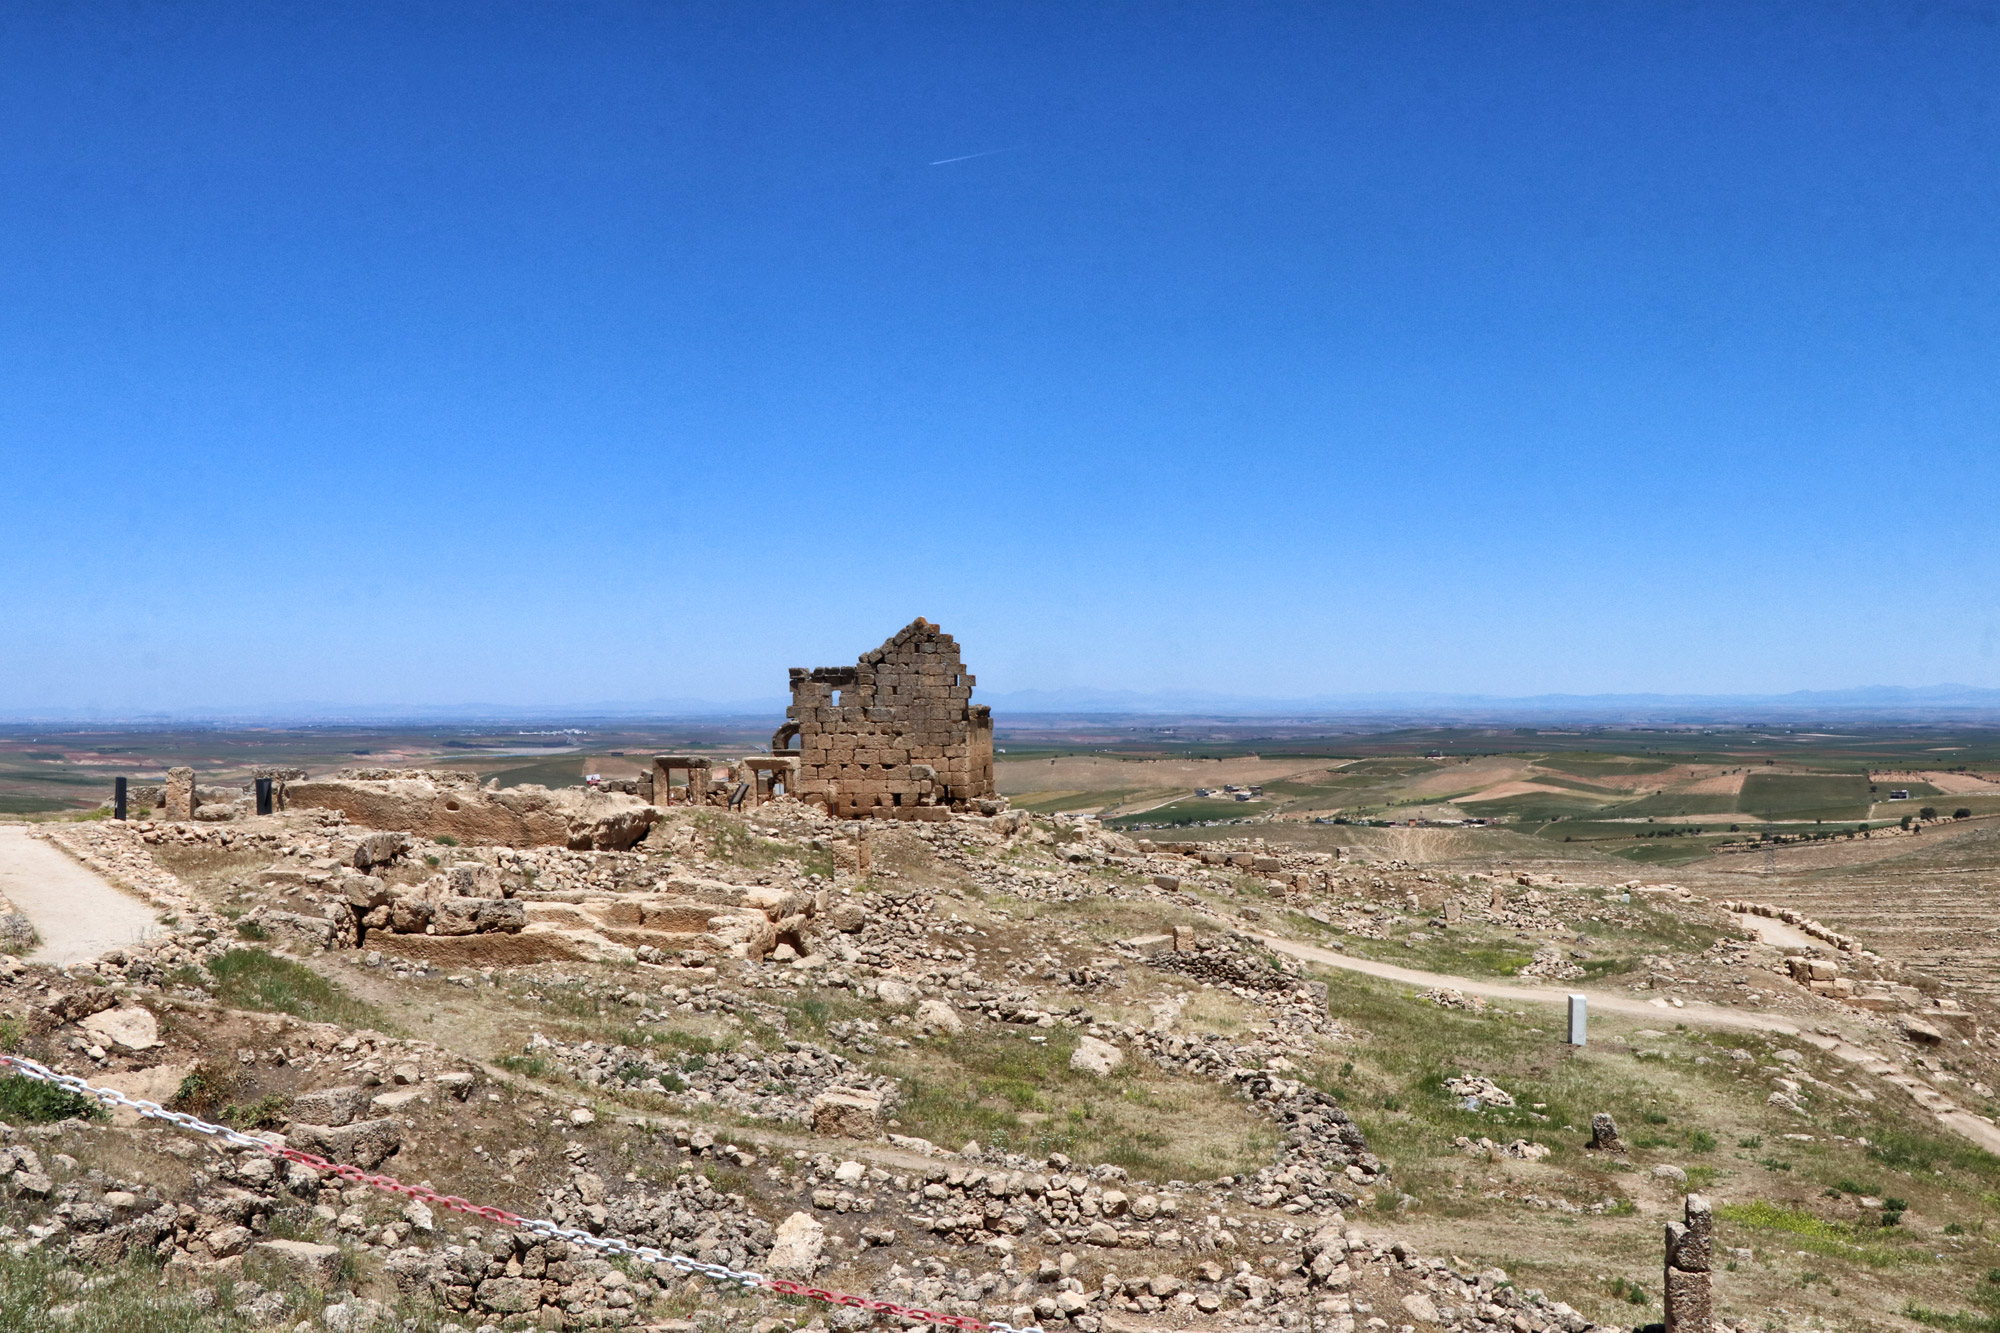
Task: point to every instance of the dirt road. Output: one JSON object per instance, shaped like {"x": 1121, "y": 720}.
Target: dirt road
{"x": 1948, "y": 1113}
{"x": 77, "y": 914}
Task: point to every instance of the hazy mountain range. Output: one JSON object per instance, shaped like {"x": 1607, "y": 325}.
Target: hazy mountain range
{"x": 1877, "y": 703}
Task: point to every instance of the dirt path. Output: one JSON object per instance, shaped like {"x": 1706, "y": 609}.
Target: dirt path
{"x": 1948, "y": 1113}
{"x": 77, "y": 914}
{"x": 1775, "y": 932}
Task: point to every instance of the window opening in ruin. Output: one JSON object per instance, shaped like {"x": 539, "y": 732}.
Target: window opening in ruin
{"x": 896, "y": 798}
{"x": 836, "y": 698}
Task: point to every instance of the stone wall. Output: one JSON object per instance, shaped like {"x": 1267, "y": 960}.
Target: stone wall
{"x": 896, "y": 735}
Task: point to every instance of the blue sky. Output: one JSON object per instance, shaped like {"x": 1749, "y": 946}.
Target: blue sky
{"x": 546, "y": 354}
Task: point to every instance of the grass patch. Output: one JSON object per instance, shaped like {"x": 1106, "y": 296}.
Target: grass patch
{"x": 39, "y": 1291}
{"x": 1393, "y": 1085}
{"x": 727, "y": 840}
{"x": 1002, "y": 1089}
{"x": 253, "y": 979}
{"x": 1806, "y": 1231}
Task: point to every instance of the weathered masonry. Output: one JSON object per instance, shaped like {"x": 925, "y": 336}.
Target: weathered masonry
{"x": 895, "y": 736}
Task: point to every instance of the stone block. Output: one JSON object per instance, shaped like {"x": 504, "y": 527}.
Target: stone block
{"x": 365, "y": 1143}
{"x": 847, "y": 1113}
{"x": 331, "y": 1107}
{"x": 1689, "y": 1302}
{"x": 1689, "y": 1251}
{"x": 297, "y": 1261}
{"x": 510, "y": 1295}
{"x": 180, "y": 797}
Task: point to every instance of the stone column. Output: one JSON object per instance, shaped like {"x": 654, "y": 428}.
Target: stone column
{"x": 1690, "y": 1250}
{"x": 180, "y": 793}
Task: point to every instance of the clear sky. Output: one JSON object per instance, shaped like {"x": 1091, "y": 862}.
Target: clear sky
{"x": 378, "y": 353}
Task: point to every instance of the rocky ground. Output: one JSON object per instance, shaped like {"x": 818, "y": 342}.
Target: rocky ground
{"x": 998, "y": 1067}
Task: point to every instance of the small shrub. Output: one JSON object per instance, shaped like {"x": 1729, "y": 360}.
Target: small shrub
{"x": 264, "y": 1113}
{"x": 1629, "y": 1292}
{"x": 1701, "y": 1141}
{"x": 30, "y": 1099}
{"x": 204, "y": 1092}
{"x": 251, "y": 930}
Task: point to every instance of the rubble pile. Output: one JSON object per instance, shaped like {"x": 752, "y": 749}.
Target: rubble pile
{"x": 779, "y": 1086}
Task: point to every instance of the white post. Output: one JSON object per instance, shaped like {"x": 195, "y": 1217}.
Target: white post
{"x": 1578, "y": 1013}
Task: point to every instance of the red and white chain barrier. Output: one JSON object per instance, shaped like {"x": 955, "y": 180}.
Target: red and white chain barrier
{"x": 539, "y": 1227}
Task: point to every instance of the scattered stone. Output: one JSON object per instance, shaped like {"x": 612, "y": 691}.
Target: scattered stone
{"x": 1095, "y": 1056}
{"x": 798, "y": 1244}
{"x": 938, "y": 1015}
{"x": 1478, "y": 1089}
{"x": 130, "y": 1028}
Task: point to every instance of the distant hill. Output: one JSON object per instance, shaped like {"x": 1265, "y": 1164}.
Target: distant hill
{"x": 1877, "y": 703}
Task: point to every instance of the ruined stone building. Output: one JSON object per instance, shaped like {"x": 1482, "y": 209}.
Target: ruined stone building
{"x": 895, "y": 736}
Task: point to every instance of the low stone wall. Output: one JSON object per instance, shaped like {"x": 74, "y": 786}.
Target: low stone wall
{"x": 441, "y": 804}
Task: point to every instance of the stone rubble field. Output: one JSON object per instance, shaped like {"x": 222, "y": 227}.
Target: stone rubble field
{"x": 995, "y": 1066}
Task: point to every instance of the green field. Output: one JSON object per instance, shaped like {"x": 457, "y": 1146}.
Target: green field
{"x": 1602, "y": 765}
{"x": 1680, "y": 803}
{"x": 1193, "y": 810}
{"x": 1055, "y": 802}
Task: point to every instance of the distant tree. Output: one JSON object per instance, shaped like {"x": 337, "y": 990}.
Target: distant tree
{"x": 1906, "y": 821}
{"x": 1963, "y": 812}
{"x": 1928, "y": 812}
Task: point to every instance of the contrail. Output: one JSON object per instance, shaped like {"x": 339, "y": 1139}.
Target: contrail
{"x": 947, "y": 161}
